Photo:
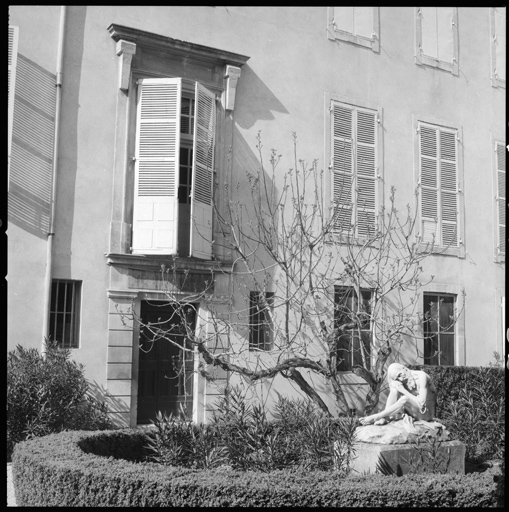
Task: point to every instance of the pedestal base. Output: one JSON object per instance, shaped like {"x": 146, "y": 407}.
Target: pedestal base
{"x": 401, "y": 459}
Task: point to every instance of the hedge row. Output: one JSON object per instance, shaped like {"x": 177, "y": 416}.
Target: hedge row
{"x": 84, "y": 468}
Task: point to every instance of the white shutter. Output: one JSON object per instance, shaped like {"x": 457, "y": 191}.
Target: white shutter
{"x": 428, "y": 156}
{"x": 343, "y": 19}
{"x": 501, "y": 196}
{"x": 203, "y": 173}
{"x": 363, "y": 21}
{"x": 342, "y": 166}
{"x": 366, "y": 166}
{"x": 500, "y": 41}
{"x": 445, "y": 40}
{"x": 11, "y": 84}
{"x": 448, "y": 188}
{"x": 155, "y": 215}
{"x": 429, "y": 31}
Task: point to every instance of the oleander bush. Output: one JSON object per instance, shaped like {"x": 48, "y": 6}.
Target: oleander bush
{"x": 471, "y": 404}
{"x": 46, "y": 395}
{"x": 87, "y": 469}
{"x": 242, "y": 437}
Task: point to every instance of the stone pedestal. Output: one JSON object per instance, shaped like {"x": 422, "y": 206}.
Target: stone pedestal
{"x": 370, "y": 458}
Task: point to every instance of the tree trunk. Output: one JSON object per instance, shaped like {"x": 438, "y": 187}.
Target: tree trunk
{"x": 296, "y": 376}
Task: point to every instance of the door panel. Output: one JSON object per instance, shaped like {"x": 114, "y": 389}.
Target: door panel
{"x": 164, "y": 382}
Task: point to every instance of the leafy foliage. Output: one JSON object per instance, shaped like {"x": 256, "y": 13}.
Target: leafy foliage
{"x": 46, "y": 395}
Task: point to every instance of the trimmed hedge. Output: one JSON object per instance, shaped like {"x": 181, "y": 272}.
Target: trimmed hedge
{"x": 83, "y": 468}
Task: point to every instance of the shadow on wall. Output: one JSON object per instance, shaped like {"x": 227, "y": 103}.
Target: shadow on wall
{"x": 115, "y": 406}
{"x": 30, "y": 178}
{"x": 255, "y": 101}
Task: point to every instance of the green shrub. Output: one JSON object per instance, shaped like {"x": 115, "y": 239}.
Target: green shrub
{"x": 471, "y": 404}
{"x": 71, "y": 469}
{"x": 46, "y": 395}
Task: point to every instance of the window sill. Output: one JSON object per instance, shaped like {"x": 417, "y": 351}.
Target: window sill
{"x": 424, "y": 60}
{"x": 154, "y": 262}
{"x": 340, "y": 35}
{"x": 458, "y": 252}
{"x": 499, "y": 258}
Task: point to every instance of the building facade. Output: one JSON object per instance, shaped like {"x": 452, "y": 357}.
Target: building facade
{"x": 125, "y": 124}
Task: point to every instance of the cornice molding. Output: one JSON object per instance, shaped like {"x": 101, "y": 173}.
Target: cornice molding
{"x": 148, "y": 40}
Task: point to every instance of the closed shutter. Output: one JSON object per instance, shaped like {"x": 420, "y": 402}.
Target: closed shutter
{"x": 428, "y": 151}
{"x": 500, "y": 42}
{"x": 203, "y": 173}
{"x": 501, "y": 196}
{"x": 366, "y": 172}
{"x": 437, "y": 37}
{"x": 155, "y": 214}
{"x": 354, "y": 20}
{"x": 439, "y": 186}
{"x": 429, "y": 31}
{"x": 448, "y": 188}
{"x": 11, "y": 81}
{"x": 342, "y": 166}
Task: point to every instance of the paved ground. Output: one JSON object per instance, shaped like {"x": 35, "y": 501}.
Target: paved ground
{"x": 11, "y": 502}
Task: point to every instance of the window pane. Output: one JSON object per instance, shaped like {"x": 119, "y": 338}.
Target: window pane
{"x": 60, "y": 296}
{"x": 447, "y": 314}
{"x": 431, "y": 350}
{"x": 430, "y": 314}
{"x": 344, "y": 353}
{"x": 447, "y": 349}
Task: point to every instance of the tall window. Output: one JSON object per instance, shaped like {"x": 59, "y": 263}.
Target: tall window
{"x": 500, "y": 197}
{"x": 65, "y": 313}
{"x": 354, "y": 168}
{"x": 438, "y": 181}
{"x": 498, "y": 46}
{"x": 436, "y": 37}
{"x": 439, "y": 329}
{"x": 261, "y": 327}
{"x": 174, "y": 160}
{"x": 358, "y": 25}
{"x": 352, "y": 323}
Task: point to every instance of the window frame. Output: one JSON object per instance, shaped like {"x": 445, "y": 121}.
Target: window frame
{"x": 330, "y": 100}
{"x": 351, "y": 363}
{"x": 335, "y": 34}
{"x": 264, "y": 326}
{"x": 460, "y": 250}
{"x": 74, "y": 313}
{"x": 495, "y": 80}
{"x": 13, "y": 39}
{"x": 425, "y": 60}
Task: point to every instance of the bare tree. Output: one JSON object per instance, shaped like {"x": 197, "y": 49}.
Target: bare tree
{"x": 320, "y": 291}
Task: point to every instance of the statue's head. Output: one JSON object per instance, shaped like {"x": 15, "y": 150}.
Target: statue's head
{"x": 401, "y": 373}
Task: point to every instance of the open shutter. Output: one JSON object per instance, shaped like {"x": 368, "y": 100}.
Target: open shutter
{"x": 203, "y": 173}
{"x": 155, "y": 214}
{"x": 11, "y": 81}
{"x": 342, "y": 166}
{"x": 366, "y": 172}
{"x": 428, "y": 154}
{"x": 448, "y": 188}
{"x": 501, "y": 196}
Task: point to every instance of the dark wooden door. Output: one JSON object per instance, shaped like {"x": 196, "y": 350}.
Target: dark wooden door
{"x": 165, "y": 378}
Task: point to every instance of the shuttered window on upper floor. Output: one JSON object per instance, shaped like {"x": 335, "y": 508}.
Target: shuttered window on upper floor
{"x": 162, "y": 133}
{"x": 439, "y": 185}
{"x": 501, "y": 205}
{"x": 354, "y": 165}
{"x": 357, "y": 25}
{"x": 498, "y": 46}
{"x": 436, "y": 37}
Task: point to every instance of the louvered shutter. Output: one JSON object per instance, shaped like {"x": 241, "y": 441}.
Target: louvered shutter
{"x": 155, "y": 214}
{"x": 203, "y": 173}
{"x": 448, "y": 188}
{"x": 366, "y": 172}
{"x": 501, "y": 196}
{"x": 428, "y": 154}
{"x": 342, "y": 166}
{"x": 11, "y": 82}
